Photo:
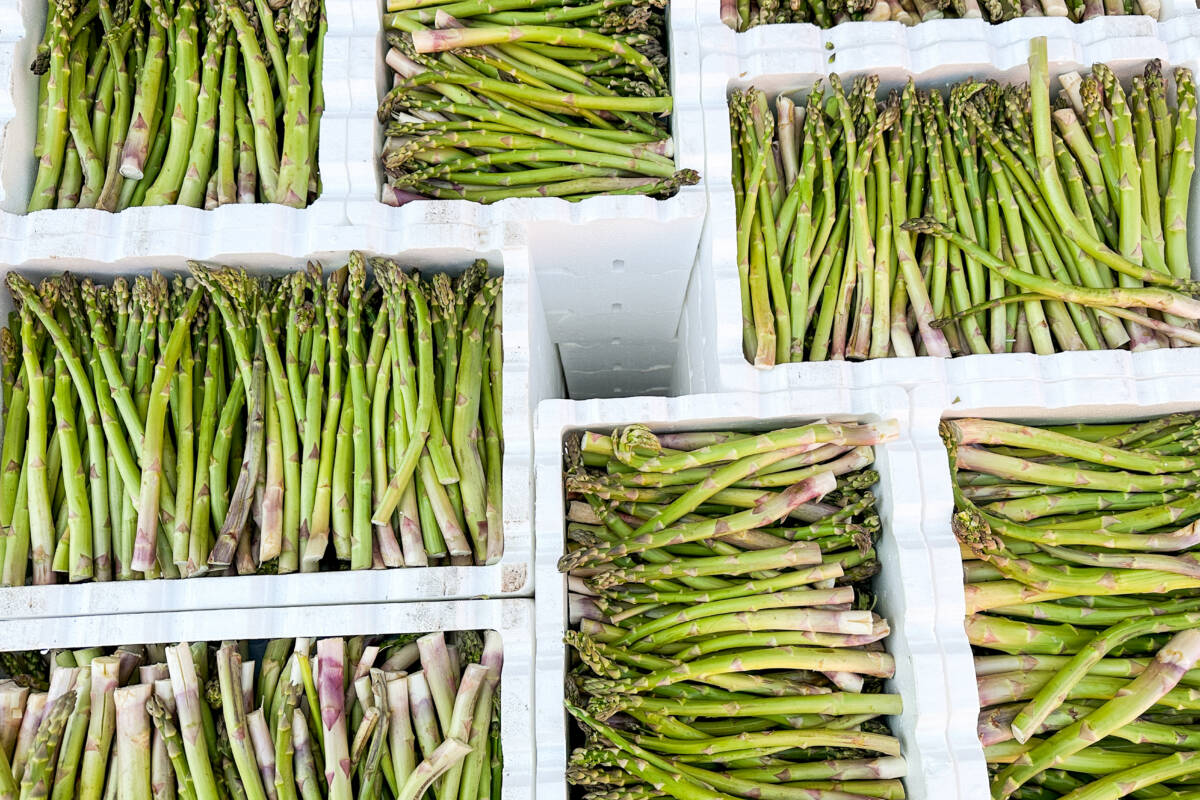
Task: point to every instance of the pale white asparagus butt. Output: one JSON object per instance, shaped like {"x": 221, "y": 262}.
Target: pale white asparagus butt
{"x": 12, "y": 709}
{"x": 133, "y": 742}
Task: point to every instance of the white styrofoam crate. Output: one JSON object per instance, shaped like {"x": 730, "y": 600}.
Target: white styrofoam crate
{"x": 1034, "y": 400}
{"x": 100, "y": 235}
{"x": 531, "y": 373}
{"x": 511, "y": 618}
{"x": 588, "y": 254}
{"x": 934, "y": 54}
{"x": 903, "y": 585}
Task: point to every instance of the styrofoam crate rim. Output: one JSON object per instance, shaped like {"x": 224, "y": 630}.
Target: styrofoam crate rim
{"x": 709, "y": 17}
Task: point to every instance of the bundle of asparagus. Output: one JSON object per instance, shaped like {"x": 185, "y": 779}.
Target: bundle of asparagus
{"x": 521, "y": 99}
{"x": 199, "y": 721}
{"x": 189, "y": 102}
{"x": 745, "y": 14}
{"x": 227, "y": 425}
{"x": 1081, "y": 576}
{"x": 720, "y": 604}
{"x": 1076, "y": 242}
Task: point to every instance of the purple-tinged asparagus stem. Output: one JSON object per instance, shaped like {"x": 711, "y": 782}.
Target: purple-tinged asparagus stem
{"x": 402, "y": 659}
{"x": 311, "y": 697}
{"x": 152, "y": 672}
{"x": 476, "y": 767}
{"x": 371, "y": 695}
{"x": 846, "y": 681}
{"x": 270, "y": 499}
{"x": 435, "y": 662}
{"x": 12, "y": 710}
{"x": 229, "y": 673}
{"x": 455, "y": 665}
{"x": 162, "y": 773}
{"x": 248, "y": 686}
{"x": 162, "y": 715}
{"x": 186, "y": 686}
{"x": 264, "y": 750}
{"x": 131, "y": 657}
{"x": 473, "y": 679}
{"x": 424, "y": 717}
{"x": 62, "y": 680}
{"x": 39, "y": 769}
{"x": 448, "y": 753}
{"x": 331, "y": 668}
{"x": 372, "y": 759}
{"x": 400, "y": 733}
{"x": 363, "y": 700}
{"x": 361, "y": 670}
{"x": 366, "y": 730}
{"x": 306, "y": 769}
{"x": 35, "y": 707}
{"x": 133, "y": 742}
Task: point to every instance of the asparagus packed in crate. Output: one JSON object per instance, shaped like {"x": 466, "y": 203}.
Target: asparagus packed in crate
{"x": 191, "y": 102}
{"x": 371, "y": 718}
{"x": 721, "y": 618}
{"x": 526, "y": 99}
{"x": 745, "y": 14}
{"x": 1081, "y": 591}
{"x": 1043, "y": 230}
{"x": 227, "y": 425}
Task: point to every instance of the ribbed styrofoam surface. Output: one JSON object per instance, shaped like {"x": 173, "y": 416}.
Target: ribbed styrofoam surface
{"x": 792, "y": 57}
{"x": 512, "y": 619}
{"x": 903, "y": 586}
{"x": 617, "y": 366}
{"x": 587, "y": 255}
{"x": 531, "y": 373}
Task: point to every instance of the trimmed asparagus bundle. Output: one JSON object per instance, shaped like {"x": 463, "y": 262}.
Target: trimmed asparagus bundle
{"x": 220, "y": 726}
{"x": 228, "y": 425}
{"x": 527, "y": 100}
{"x": 178, "y": 102}
{"x": 720, "y": 612}
{"x": 1079, "y": 559}
{"x": 742, "y": 15}
{"x": 985, "y": 223}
